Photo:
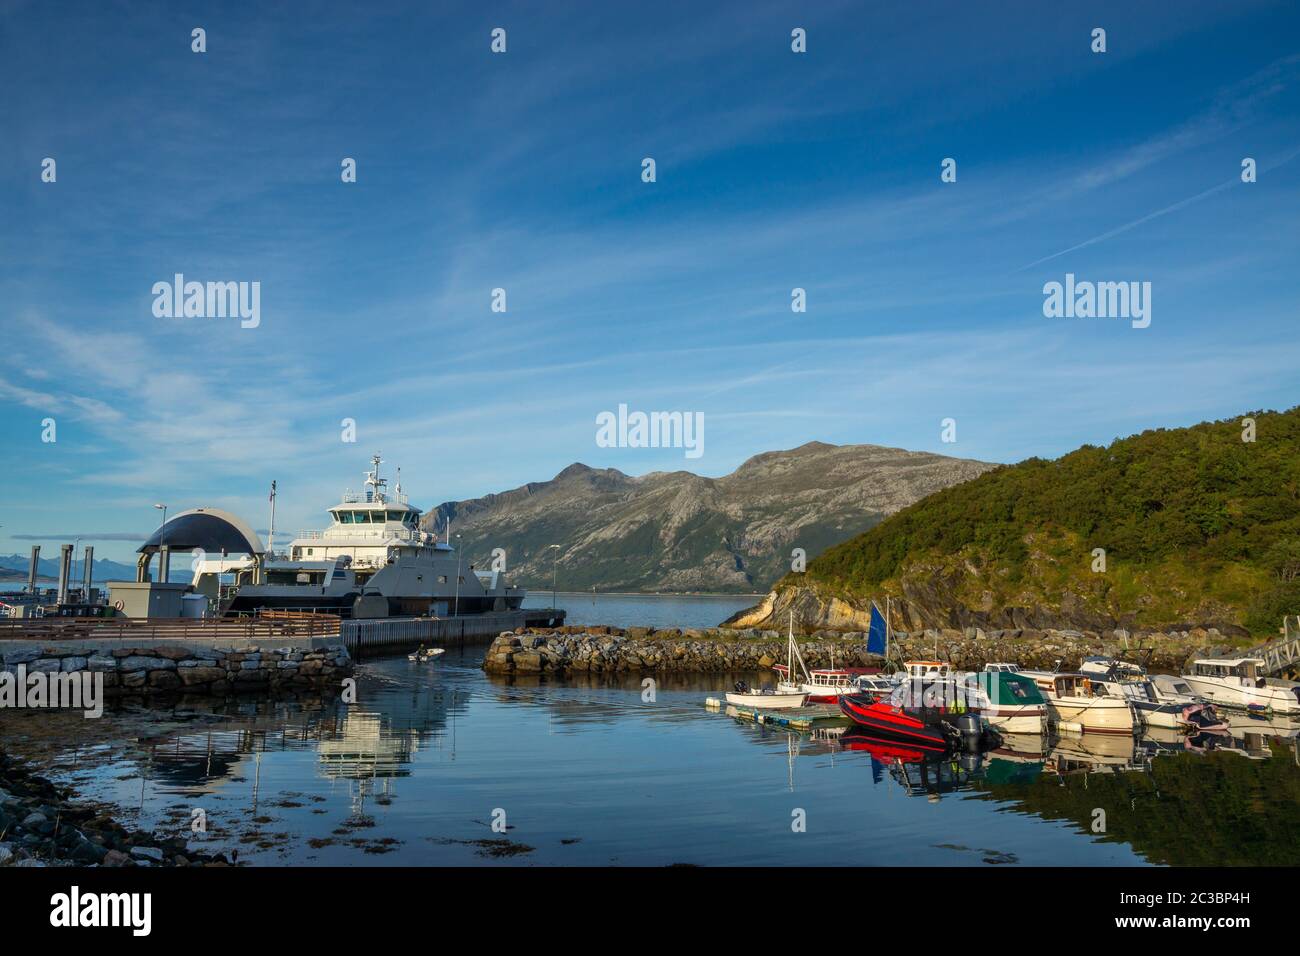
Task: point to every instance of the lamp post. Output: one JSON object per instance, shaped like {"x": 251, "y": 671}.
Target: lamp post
{"x": 456, "y": 609}
{"x": 555, "y": 556}
{"x": 163, "y": 508}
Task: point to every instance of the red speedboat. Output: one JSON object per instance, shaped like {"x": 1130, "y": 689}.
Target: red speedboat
{"x": 920, "y": 727}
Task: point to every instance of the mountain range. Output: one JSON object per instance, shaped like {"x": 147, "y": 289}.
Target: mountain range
{"x": 681, "y": 532}
{"x": 13, "y": 568}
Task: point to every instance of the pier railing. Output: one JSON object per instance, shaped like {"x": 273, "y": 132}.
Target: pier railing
{"x": 1282, "y": 653}
{"x": 138, "y": 630}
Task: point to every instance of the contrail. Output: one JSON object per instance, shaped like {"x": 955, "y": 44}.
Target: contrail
{"x": 1154, "y": 215}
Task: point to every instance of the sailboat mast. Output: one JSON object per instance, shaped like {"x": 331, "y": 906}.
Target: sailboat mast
{"x": 887, "y": 610}
{"x": 789, "y": 650}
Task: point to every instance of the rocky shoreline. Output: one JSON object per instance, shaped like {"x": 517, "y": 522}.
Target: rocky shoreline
{"x": 146, "y": 671}
{"x": 40, "y": 826}
{"x": 923, "y": 604}
{"x": 613, "y": 650}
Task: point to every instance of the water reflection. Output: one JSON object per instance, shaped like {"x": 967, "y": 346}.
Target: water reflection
{"x": 595, "y": 771}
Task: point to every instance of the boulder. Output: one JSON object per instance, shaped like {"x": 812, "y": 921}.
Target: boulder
{"x": 200, "y": 675}
{"x": 164, "y": 679}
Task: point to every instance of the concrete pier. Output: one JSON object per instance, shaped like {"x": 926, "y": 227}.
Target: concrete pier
{"x": 394, "y": 635}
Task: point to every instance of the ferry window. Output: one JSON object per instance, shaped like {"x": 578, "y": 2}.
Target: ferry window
{"x": 344, "y": 517}
{"x": 442, "y": 579}
{"x": 394, "y": 516}
{"x": 358, "y": 517}
{"x": 311, "y": 551}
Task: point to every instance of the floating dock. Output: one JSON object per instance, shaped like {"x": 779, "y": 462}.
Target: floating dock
{"x": 796, "y": 718}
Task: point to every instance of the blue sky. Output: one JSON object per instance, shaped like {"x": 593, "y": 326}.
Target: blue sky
{"x": 522, "y": 171}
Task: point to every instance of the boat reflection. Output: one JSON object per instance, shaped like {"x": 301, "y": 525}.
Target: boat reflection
{"x": 919, "y": 772}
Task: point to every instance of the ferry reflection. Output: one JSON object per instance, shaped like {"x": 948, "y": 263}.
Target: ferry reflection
{"x": 350, "y": 743}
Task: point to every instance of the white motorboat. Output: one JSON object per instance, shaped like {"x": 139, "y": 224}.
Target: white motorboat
{"x": 1075, "y": 704}
{"x": 1240, "y": 682}
{"x": 743, "y": 696}
{"x": 1129, "y": 680}
{"x": 1010, "y": 701}
{"x": 874, "y": 685}
{"x": 425, "y": 654}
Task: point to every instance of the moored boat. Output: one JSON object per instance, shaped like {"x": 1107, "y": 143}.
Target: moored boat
{"x": 766, "y": 699}
{"x": 823, "y": 685}
{"x": 1240, "y": 682}
{"x": 885, "y": 719}
{"x": 1154, "y": 709}
{"x": 1010, "y": 701}
{"x": 1074, "y": 704}
{"x": 905, "y": 716}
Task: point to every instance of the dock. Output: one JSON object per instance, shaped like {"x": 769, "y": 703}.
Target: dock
{"x": 796, "y": 718}
{"x": 374, "y": 637}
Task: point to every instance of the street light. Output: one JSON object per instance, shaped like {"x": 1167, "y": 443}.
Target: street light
{"x": 554, "y": 558}
{"x": 456, "y": 610}
{"x": 163, "y": 509}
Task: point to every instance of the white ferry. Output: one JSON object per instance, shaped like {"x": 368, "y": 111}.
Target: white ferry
{"x": 374, "y": 560}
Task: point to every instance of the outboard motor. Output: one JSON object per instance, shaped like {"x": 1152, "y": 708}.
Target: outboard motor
{"x": 971, "y": 730}
{"x": 742, "y": 687}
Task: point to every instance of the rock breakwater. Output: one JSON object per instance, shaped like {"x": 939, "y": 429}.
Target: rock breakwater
{"x": 613, "y": 650}
{"x": 146, "y": 671}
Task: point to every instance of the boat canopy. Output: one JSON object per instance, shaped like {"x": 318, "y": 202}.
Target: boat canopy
{"x": 1006, "y": 687}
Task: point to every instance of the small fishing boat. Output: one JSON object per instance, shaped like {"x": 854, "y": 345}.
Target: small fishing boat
{"x": 425, "y": 654}
{"x": 1240, "y": 682}
{"x": 765, "y": 699}
{"x": 826, "y": 685}
{"x": 873, "y": 685}
{"x": 823, "y": 685}
{"x": 1074, "y": 704}
{"x": 1010, "y": 701}
{"x": 1154, "y": 709}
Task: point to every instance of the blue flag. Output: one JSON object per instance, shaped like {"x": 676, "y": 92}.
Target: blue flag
{"x": 876, "y": 636}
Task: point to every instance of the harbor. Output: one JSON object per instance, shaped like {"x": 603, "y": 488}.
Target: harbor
{"x": 588, "y": 771}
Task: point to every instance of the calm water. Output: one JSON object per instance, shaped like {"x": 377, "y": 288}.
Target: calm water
{"x": 589, "y": 773}
{"x": 644, "y": 610}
